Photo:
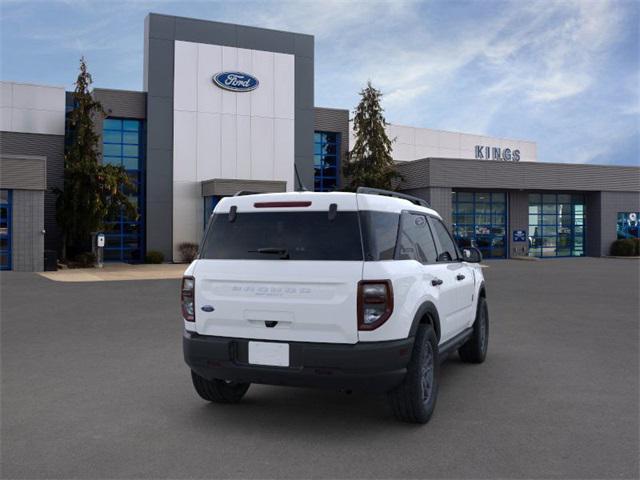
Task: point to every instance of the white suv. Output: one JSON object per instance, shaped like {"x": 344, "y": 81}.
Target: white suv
{"x": 351, "y": 291}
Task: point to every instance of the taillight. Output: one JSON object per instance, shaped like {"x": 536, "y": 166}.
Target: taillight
{"x": 187, "y": 298}
{"x": 375, "y": 303}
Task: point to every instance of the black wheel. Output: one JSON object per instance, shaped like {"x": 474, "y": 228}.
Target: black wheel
{"x": 415, "y": 398}
{"x": 475, "y": 349}
{"x": 219, "y": 391}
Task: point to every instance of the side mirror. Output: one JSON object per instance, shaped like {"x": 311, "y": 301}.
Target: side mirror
{"x": 471, "y": 255}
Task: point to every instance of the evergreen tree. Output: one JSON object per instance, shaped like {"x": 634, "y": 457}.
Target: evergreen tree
{"x": 92, "y": 191}
{"x": 369, "y": 163}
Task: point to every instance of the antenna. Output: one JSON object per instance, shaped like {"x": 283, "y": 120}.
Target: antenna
{"x": 303, "y": 187}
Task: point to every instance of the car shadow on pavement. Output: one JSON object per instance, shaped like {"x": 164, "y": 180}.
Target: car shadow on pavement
{"x": 285, "y": 410}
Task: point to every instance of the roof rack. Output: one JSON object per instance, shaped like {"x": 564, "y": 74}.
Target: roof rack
{"x": 389, "y": 193}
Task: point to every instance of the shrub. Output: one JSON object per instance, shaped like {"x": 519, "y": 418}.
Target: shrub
{"x": 188, "y": 251}
{"x": 153, "y": 256}
{"x": 628, "y": 247}
{"x": 85, "y": 260}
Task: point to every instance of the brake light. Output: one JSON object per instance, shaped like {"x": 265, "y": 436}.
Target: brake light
{"x": 375, "y": 303}
{"x": 187, "y": 298}
{"x": 281, "y": 204}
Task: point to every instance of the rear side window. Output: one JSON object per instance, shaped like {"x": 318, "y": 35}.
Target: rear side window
{"x": 283, "y": 235}
{"x": 415, "y": 241}
{"x": 447, "y": 251}
{"x": 379, "y": 231}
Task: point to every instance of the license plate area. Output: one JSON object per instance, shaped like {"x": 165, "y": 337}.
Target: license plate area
{"x": 269, "y": 353}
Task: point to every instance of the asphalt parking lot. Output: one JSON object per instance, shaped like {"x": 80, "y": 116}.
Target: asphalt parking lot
{"x": 94, "y": 386}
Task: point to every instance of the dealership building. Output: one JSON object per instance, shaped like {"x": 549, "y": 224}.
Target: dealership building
{"x": 228, "y": 107}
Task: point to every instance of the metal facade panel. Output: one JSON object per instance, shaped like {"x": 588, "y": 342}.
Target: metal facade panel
{"x": 415, "y": 175}
{"x": 593, "y": 227}
{"x": 438, "y": 198}
{"x": 488, "y": 174}
{"x": 161, "y": 32}
{"x": 230, "y": 186}
{"x": 23, "y": 172}
{"x": 122, "y": 103}
{"x": 610, "y": 204}
{"x": 27, "y": 240}
{"x": 518, "y": 205}
{"x": 51, "y": 147}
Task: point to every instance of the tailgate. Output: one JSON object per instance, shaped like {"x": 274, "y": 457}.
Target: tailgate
{"x": 307, "y": 301}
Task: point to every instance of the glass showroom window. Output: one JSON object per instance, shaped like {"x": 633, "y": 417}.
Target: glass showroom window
{"x": 123, "y": 145}
{"x": 5, "y": 229}
{"x": 326, "y": 161}
{"x": 556, "y": 225}
{"x": 479, "y": 219}
{"x": 628, "y": 225}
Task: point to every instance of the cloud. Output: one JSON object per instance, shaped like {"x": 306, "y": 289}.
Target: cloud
{"x": 562, "y": 73}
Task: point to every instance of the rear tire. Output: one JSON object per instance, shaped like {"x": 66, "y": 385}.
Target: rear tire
{"x": 475, "y": 349}
{"x": 414, "y": 400}
{"x": 219, "y": 391}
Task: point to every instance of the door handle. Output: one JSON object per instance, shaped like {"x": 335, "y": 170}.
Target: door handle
{"x": 460, "y": 277}
{"x": 436, "y": 281}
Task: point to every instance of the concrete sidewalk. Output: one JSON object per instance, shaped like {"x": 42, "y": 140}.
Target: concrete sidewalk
{"x": 118, "y": 272}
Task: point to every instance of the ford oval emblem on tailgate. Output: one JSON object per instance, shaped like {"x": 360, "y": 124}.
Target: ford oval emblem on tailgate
{"x": 207, "y": 308}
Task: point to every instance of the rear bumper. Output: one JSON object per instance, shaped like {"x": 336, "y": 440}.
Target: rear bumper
{"x": 371, "y": 366}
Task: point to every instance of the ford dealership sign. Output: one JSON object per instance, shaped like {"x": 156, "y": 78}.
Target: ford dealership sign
{"x": 236, "y": 81}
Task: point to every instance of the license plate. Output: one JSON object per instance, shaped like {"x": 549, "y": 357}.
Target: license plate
{"x": 269, "y": 353}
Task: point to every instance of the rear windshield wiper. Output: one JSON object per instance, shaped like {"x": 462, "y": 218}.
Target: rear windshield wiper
{"x": 283, "y": 252}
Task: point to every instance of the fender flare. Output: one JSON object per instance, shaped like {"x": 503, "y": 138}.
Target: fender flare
{"x": 482, "y": 291}
{"x": 427, "y": 308}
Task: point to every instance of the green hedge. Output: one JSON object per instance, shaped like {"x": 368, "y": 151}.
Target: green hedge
{"x": 628, "y": 247}
{"x": 153, "y": 256}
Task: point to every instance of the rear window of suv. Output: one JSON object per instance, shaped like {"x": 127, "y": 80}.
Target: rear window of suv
{"x": 283, "y": 235}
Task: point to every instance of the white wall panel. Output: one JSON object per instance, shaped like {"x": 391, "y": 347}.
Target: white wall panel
{"x": 229, "y": 62}
{"x": 185, "y": 87}
{"x": 5, "y": 119}
{"x": 284, "y": 88}
{"x": 245, "y": 64}
{"x": 528, "y": 151}
{"x": 6, "y": 94}
{"x": 283, "y": 151}
{"x": 208, "y": 146}
{"x": 263, "y": 96}
{"x": 468, "y": 142}
{"x": 209, "y": 63}
{"x": 188, "y": 214}
{"x": 223, "y": 134}
{"x": 184, "y": 146}
{"x": 262, "y": 148}
{"x": 36, "y": 97}
{"x": 243, "y": 146}
{"x": 449, "y": 141}
{"x": 32, "y": 108}
{"x": 424, "y": 151}
{"x": 403, "y": 151}
{"x": 36, "y": 121}
{"x": 415, "y": 143}
{"x": 228, "y": 146}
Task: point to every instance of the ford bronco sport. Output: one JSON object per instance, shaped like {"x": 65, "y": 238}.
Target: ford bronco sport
{"x": 350, "y": 291}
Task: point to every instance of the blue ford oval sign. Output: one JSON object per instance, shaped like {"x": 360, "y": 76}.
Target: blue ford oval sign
{"x": 236, "y": 81}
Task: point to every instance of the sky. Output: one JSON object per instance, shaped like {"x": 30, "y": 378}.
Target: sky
{"x": 565, "y": 74}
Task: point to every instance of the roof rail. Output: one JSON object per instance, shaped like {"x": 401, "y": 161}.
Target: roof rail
{"x": 242, "y": 193}
{"x": 389, "y": 193}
